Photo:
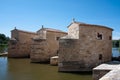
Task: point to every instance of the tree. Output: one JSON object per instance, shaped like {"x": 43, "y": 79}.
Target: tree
{"x": 3, "y": 42}
{"x": 3, "y": 39}
{"x": 116, "y": 43}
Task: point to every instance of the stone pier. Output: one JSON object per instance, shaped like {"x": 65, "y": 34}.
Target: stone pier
{"x": 45, "y": 45}
{"x": 85, "y": 47}
{"x": 54, "y": 60}
{"x": 107, "y": 71}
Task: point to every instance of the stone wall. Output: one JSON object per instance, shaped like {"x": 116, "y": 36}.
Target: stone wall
{"x": 39, "y": 51}
{"x": 93, "y": 47}
{"x": 44, "y": 48}
{"x": 72, "y": 57}
{"x": 97, "y": 74}
{"x": 73, "y": 31}
{"x": 20, "y": 43}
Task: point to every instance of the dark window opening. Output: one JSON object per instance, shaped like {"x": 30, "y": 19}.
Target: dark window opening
{"x": 100, "y": 56}
{"x": 99, "y": 36}
{"x": 57, "y": 52}
{"x": 57, "y": 38}
{"x": 110, "y": 38}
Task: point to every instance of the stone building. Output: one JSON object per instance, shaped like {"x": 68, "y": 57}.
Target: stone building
{"x": 85, "y": 47}
{"x": 19, "y": 45}
{"x": 46, "y": 44}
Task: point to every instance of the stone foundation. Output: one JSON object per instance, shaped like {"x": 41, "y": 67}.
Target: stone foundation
{"x": 41, "y": 52}
{"x": 72, "y": 66}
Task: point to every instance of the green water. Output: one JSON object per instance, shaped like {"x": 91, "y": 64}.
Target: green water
{"x": 22, "y": 69}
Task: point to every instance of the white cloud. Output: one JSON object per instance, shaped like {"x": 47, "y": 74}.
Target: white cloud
{"x": 116, "y": 35}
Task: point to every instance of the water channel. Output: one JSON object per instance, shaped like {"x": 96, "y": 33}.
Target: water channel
{"x": 22, "y": 69}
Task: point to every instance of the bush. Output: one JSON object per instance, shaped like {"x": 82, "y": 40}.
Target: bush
{"x": 3, "y": 48}
{"x": 3, "y": 43}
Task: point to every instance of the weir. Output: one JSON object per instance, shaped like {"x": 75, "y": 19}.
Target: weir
{"x": 107, "y": 71}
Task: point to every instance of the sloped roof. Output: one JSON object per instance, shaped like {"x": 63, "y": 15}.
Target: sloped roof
{"x": 50, "y": 29}
{"x": 85, "y": 24}
{"x": 24, "y": 31}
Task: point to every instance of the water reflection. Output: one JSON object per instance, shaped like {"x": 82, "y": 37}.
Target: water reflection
{"x": 3, "y": 68}
{"x": 22, "y": 69}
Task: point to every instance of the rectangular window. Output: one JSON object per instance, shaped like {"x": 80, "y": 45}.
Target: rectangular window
{"x": 100, "y": 56}
{"x": 110, "y": 38}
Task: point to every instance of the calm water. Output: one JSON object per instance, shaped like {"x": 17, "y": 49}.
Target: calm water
{"x": 115, "y": 52}
{"x": 22, "y": 69}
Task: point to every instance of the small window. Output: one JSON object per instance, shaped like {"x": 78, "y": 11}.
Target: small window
{"x": 99, "y": 36}
{"x": 110, "y": 38}
{"x": 100, "y": 56}
{"x": 57, "y": 38}
{"x": 57, "y": 52}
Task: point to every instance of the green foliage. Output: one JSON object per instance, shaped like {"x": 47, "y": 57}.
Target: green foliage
{"x": 3, "y": 47}
{"x": 3, "y": 42}
{"x": 3, "y": 39}
{"x": 116, "y": 43}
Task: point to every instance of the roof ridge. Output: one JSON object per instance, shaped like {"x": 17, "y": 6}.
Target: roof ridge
{"x": 51, "y": 29}
{"x": 82, "y": 23}
{"x": 24, "y": 31}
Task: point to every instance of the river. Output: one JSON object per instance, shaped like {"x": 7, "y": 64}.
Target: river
{"x": 22, "y": 69}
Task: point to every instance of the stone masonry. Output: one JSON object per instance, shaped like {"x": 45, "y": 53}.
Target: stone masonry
{"x": 20, "y": 43}
{"x": 85, "y": 47}
{"x": 45, "y": 45}
{"x": 39, "y": 46}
